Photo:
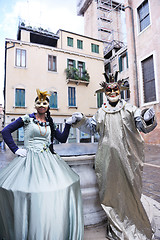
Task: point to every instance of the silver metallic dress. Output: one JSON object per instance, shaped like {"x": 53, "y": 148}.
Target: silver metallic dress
{"x": 118, "y": 165}
{"x": 40, "y": 195}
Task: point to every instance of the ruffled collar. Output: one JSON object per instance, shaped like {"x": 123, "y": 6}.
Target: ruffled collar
{"x": 106, "y": 107}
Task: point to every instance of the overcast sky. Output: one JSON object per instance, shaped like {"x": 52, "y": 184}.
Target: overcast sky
{"x": 48, "y": 14}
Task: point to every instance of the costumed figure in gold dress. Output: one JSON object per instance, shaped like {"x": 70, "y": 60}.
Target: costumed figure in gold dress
{"x": 119, "y": 160}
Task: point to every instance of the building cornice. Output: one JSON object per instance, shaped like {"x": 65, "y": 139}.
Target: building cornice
{"x": 52, "y": 49}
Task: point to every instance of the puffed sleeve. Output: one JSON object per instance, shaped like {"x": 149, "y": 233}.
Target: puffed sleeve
{"x": 26, "y": 119}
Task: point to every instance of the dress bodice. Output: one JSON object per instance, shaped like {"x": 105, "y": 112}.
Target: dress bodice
{"x": 36, "y": 135}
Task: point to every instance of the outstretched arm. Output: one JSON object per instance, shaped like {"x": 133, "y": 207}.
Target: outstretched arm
{"x": 84, "y": 124}
{"x": 145, "y": 120}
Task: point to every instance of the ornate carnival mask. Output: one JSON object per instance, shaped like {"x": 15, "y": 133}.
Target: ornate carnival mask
{"x": 42, "y": 99}
{"x": 112, "y": 87}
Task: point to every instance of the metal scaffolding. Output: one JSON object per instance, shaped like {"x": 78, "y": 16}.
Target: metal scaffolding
{"x": 109, "y": 16}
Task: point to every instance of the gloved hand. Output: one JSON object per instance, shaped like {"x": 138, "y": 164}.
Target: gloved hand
{"x": 21, "y": 152}
{"x": 149, "y": 114}
{"x": 71, "y": 120}
{"x": 78, "y": 116}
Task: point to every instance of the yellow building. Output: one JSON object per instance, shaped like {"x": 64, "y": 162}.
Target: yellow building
{"x": 67, "y": 64}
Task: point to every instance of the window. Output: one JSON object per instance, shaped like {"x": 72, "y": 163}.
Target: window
{"x": 79, "y": 44}
{"x": 148, "y": 80}
{"x": 20, "y": 97}
{"x": 123, "y": 62}
{"x": 143, "y": 13}
{"x": 94, "y": 48}
{"x": 81, "y": 68}
{"x": 20, "y": 58}
{"x": 72, "y": 96}
{"x": 71, "y": 63}
{"x": 125, "y": 94}
{"x": 53, "y": 100}
{"x": 99, "y": 99}
{"x": 70, "y": 42}
{"x": 52, "y": 63}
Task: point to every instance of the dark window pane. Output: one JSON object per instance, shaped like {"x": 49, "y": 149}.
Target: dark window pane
{"x": 148, "y": 80}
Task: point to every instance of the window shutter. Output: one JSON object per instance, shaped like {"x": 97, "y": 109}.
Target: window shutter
{"x": 23, "y": 97}
{"x": 74, "y": 63}
{"x": 84, "y": 68}
{"x": 67, "y": 63}
{"x": 120, "y": 64}
{"x": 127, "y": 58}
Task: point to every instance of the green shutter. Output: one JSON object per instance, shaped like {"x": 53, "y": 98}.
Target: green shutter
{"x": 127, "y": 58}
{"x": 84, "y": 68}
{"x": 74, "y": 63}
{"x": 120, "y": 64}
{"x": 99, "y": 99}
{"x": 20, "y": 98}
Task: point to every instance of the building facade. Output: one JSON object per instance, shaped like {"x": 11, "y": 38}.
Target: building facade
{"x": 131, "y": 47}
{"x": 68, "y": 65}
{"x": 143, "y": 43}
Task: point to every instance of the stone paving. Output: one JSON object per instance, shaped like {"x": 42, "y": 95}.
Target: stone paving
{"x": 151, "y": 184}
{"x": 151, "y": 188}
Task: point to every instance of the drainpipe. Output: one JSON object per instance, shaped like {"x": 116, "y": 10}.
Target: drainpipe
{"x": 4, "y": 90}
{"x": 135, "y": 55}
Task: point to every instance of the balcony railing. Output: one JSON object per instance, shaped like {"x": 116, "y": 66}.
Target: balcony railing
{"x": 74, "y": 75}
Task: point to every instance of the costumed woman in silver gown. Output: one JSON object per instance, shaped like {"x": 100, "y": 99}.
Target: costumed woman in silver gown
{"x": 40, "y": 196}
{"x": 119, "y": 161}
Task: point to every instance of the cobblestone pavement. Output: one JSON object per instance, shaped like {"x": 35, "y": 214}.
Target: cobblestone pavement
{"x": 151, "y": 183}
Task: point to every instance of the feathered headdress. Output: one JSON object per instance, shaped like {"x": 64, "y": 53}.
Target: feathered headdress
{"x": 42, "y": 95}
{"x": 111, "y": 78}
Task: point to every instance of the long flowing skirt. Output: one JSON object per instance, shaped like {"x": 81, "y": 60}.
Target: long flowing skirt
{"x": 40, "y": 199}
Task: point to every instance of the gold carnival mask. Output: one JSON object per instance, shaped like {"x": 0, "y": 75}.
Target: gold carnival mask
{"x": 41, "y": 101}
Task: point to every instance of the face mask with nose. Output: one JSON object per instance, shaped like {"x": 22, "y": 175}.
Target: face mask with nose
{"x": 112, "y": 92}
{"x": 42, "y": 103}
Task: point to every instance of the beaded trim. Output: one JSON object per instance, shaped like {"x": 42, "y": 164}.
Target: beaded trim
{"x": 43, "y": 124}
{"x": 106, "y": 107}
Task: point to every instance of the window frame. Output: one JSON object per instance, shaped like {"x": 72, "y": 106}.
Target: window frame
{"x": 95, "y": 48}
{"x": 121, "y": 62}
{"x": 19, "y": 62}
{"x": 69, "y": 61}
{"x": 54, "y": 106}
{"x": 69, "y": 41}
{"x": 142, "y": 5}
{"x": 71, "y": 97}
{"x": 142, "y": 80}
{"x": 79, "y": 44}
{"x": 81, "y": 68}
{"x": 50, "y": 62}
{"x": 21, "y": 105}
